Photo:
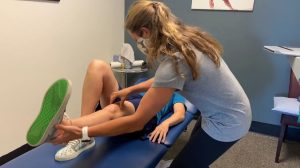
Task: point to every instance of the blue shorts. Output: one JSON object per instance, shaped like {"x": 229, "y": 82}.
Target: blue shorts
{"x": 135, "y": 99}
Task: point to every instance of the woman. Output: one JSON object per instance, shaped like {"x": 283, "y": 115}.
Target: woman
{"x": 190, "y": 61}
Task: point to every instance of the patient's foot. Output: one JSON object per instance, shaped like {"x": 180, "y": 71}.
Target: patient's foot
{"x": 66, "y": 120}
{"x": 51, "y": 113}
{"x": 73, "y": 149}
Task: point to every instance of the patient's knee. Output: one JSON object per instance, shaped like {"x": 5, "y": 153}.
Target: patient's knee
{"x": 114, "y": 111}
{"x": 97, "y": 65}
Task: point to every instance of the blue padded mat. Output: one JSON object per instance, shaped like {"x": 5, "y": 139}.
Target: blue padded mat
{"x": 110, "y": 152}
{"x": 122, "y": 151}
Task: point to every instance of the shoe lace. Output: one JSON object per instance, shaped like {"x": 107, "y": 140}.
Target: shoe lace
{"x": 73, "y": 145}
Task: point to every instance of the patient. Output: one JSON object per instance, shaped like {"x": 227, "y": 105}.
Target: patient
{"x": 98, "y": 85}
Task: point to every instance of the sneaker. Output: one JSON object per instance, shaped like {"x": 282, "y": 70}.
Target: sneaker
{"x": 73, "y": 149}
{"x": 51, "y": 113}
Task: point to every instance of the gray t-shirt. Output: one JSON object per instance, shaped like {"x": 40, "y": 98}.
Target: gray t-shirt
{"x": 224, "y": 106}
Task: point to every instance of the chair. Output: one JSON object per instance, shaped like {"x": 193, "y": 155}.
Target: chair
{"x": 288, "y": 119}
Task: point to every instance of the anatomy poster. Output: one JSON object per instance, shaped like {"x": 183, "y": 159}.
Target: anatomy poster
{"x": 237, "y": 5}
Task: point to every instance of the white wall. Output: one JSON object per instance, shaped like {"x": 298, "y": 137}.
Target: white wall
{"x": 42, "y": 41}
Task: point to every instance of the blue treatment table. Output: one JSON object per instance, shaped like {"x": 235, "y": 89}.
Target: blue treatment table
{"x": 109, "y": 152}
{"x": 126, "y": 151}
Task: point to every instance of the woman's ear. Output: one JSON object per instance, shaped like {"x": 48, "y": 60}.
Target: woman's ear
{"x": 145, "y": 32}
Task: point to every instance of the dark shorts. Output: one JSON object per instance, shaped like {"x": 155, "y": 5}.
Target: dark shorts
{"x": 135, "y": 99}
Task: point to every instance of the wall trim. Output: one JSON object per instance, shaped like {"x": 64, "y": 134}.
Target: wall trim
{"x": 15, "y": 153}
{"x": 293, "y": 133}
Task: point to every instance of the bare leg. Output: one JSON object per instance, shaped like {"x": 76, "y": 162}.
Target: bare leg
{"x": 227, "y": 3}
{"x": 98, "y": 85}
{"x": 211, "y": 4}
{"x": 110, "y": 112}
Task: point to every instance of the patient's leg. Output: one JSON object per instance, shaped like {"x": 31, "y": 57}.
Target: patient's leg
{"x": 110, "y": 112}
{"x": 98, "y": 85}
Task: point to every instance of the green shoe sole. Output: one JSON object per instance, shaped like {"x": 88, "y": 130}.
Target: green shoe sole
{"x": 51, "y": 113}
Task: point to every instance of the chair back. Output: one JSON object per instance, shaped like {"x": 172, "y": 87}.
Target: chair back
{"x": 294, "y": 88}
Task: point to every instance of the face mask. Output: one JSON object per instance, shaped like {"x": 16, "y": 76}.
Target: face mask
{"x": 142, "y": 45}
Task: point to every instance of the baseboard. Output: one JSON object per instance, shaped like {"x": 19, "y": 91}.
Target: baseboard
{"x": 15, "y": 153}
{"x": 292, "y": 133}
{"x": 258, "y": 127}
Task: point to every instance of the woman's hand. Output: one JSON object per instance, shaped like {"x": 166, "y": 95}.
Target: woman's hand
{"x": 66, "y": 133}
{"x": 121, "y": 95}
{"x": 160, "y": 133}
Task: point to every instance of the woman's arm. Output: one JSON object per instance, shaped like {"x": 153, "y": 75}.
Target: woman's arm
{"x": 141, "y": 87}
{"x": 122, "y": 94}
{"x": 151, "y": 103}
{"x": 162, "y": 129}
